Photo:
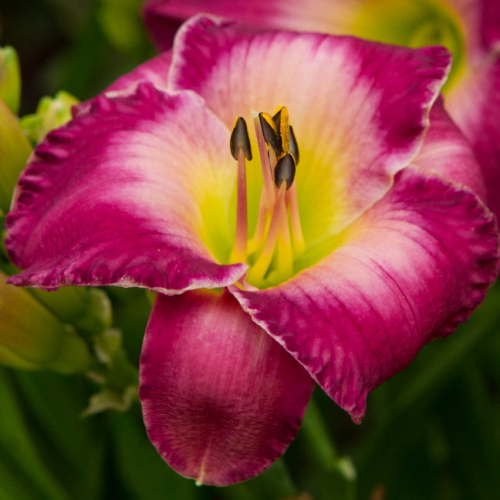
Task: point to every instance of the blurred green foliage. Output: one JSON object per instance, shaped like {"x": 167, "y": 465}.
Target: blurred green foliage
{"x": 432, "y": 432}
{"x": 79, "y": 46}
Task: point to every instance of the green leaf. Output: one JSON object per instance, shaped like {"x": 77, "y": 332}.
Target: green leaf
{"x": 73, "y": 448}
{"x": 321, "y": 471}
{"x": 17, "y": 448}
{"x": 143, "y": 472}
{"x": 441, "y": 360}
{"x": 466, "y": 414}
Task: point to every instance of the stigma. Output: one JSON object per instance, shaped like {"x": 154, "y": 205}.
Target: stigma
{"x": 277, "y": 239}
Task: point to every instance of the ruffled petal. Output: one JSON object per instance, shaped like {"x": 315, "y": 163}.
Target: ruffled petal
{"x": 221, "y": 399}
{"x": 359, "y": 109}
{"x": 154, "y": 71}
{"x": 447, "y": 152}
{"x": 123, "y": 195}
{"x": 474, "y": 104}
{"x": 412, "y": 268}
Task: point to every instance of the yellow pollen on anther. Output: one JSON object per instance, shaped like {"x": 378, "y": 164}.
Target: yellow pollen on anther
{"x": 278, "y": 239}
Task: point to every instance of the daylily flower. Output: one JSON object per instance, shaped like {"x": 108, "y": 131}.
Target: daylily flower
{"x": 326, "y": 242}
{"x": 470, "y": 29}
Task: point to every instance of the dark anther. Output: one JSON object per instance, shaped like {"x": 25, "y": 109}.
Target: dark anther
{"x": 294, "y": 147}
{"x": 270, "y": 133}
{"x": 277, "y": 118}
{"x": 239, "y": 139}
{"x": 285, "y": 171}
{"x": 281, "y": 120}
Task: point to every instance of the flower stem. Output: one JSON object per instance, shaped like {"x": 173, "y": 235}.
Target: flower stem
{"x": 318, "y": 436}
{"x": 333, "y": 474}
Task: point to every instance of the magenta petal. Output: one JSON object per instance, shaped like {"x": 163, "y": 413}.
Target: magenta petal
{"x": 474, "y": 104}
{"x": 221, "y": 399}
{"x": 447, "y": 152}
{"x": 112, "y": 198}
{"x": 225, "y": 63}
{"x": 414, "y": 266}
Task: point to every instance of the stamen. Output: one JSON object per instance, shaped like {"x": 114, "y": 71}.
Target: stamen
{"x": 299, "y": 244}
{"x": 294, "y": 147}
{"x": 277, "y": 116}
{"x": 261, "y": 266}
{"x": 267, "y": 196}
{"x": 240, "y": 149}
{"x": 239, "y": 139}
{"x": 267, "y": 190}
{"x": 270, "y": 133}
{"x": 285, "y": 171}
{"x": 282, "y": 121}
{"x": 278, "y": 237}
{"x": 292, "y": 202}
{"x": 284, "y": 269}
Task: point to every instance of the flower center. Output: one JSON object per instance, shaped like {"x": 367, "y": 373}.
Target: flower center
{"x": 278, "y": 238}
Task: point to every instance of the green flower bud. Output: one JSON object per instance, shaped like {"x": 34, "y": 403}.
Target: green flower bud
{"x": 10, "y": 79}
{"x": 51, "y": 113}
{"x": 32, "y": 338}
{"x": 14, "y": 152}
{"x": 88, "y": 309}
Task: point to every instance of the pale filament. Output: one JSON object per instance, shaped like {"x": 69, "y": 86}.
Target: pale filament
{"x": 259, "y": 269}
{"x": 239, "y": 252}
{"x": 297, "y": 235}
{"x": 267, "y": 195}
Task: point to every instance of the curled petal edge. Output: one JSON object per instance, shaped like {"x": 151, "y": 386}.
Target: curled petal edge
{"x": 360, "y": 315}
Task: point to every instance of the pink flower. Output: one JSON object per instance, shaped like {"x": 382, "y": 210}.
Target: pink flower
{"x": 470, "y": 29}
{"x": 341, "y": 248}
